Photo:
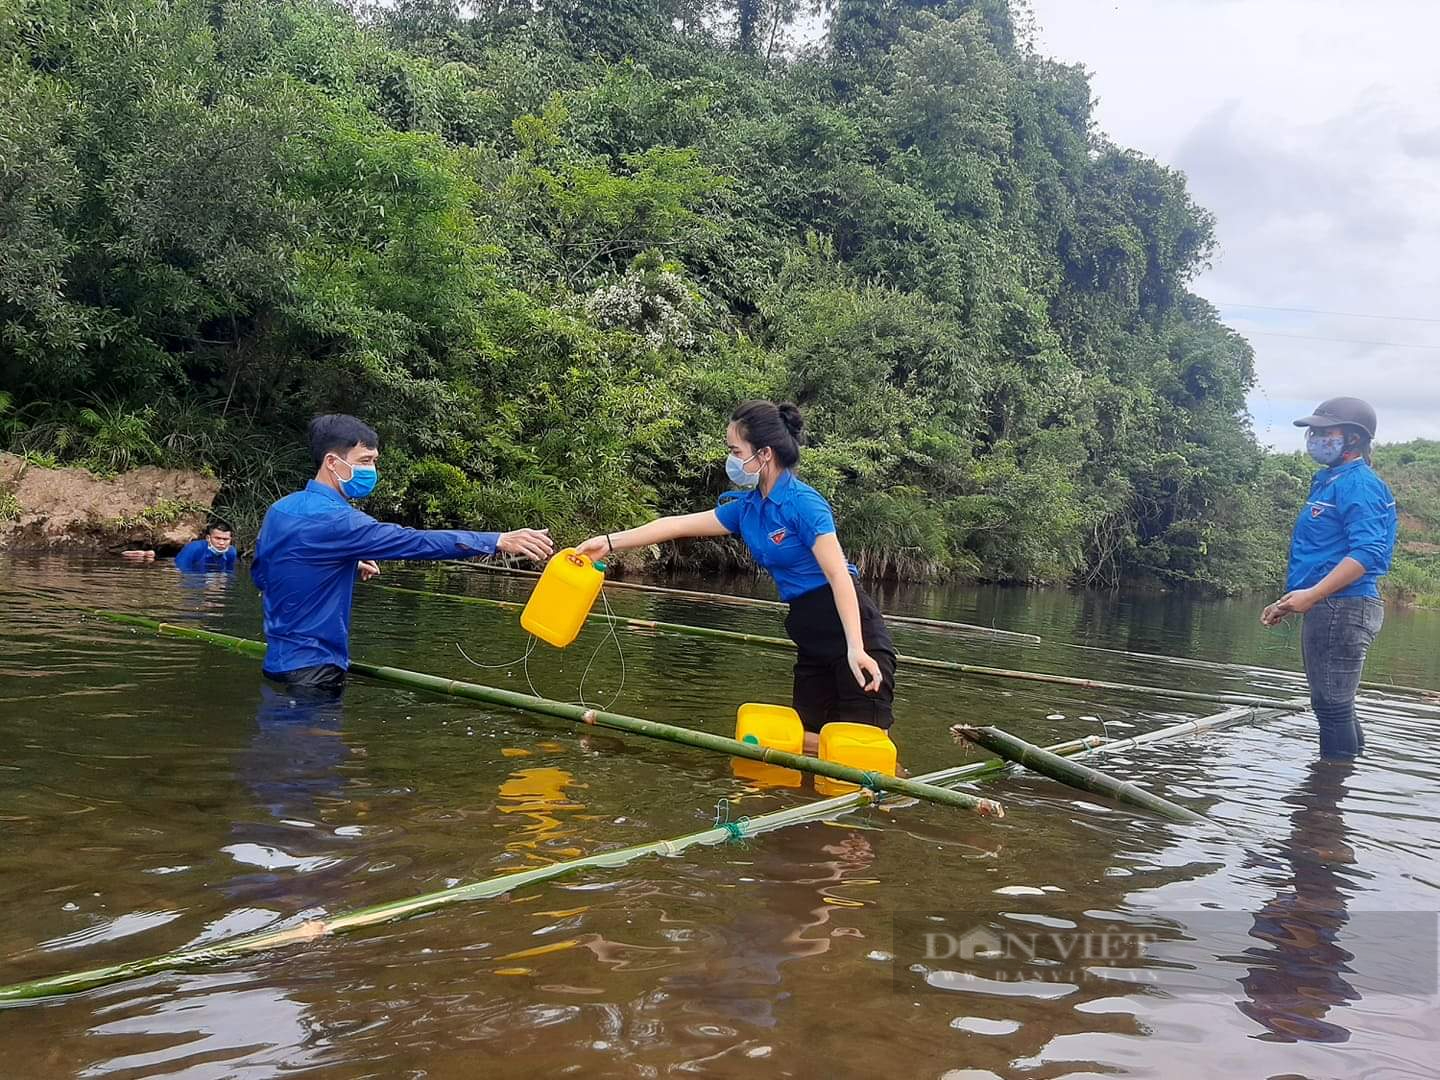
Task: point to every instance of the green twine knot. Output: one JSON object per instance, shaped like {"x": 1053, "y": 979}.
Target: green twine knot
{"x": 735, "y": 829}
{"x": 871, "y": 781}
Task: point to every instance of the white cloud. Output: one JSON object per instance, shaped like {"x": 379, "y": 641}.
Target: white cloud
{"x": 1307, "y": 127}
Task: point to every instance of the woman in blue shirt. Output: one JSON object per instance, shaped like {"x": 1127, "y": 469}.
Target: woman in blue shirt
{"x": 1342, "y": 545}
{"x": 846, "y": 665}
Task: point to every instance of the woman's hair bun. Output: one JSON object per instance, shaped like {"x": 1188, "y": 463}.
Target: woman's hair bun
{"x": 791, "y": 418}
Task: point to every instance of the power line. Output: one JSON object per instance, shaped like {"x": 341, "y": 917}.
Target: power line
{"x": 1345, "y": 340}
{"x": 1322, "y": 311}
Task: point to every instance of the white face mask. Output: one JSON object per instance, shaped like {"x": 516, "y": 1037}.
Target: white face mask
{"x": 735, "y": 470}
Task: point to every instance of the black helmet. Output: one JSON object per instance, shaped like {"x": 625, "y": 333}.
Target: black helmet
{"x": 1341, "y": 412}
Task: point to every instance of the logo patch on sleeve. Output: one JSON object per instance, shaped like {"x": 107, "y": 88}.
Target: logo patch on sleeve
{"x": 1316, "y": 511}
{"x": 778, "y": 536}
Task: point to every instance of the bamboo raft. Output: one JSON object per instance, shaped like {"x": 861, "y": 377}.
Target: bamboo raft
{"x": 316, "y": 929}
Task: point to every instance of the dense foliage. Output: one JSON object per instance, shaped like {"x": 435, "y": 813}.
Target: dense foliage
{"x": 545, "y": 251}
{"x": 1413, "y": 472}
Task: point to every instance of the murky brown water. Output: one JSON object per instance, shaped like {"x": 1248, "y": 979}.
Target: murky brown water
{"x": 154, "y": 794}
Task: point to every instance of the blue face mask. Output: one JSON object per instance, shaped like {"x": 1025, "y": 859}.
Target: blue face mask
{"x": 1325, "y": 449}
{"x": 735, "y": 470}
{"x": 214, "y": 550}
{"x": 363, "y": 479}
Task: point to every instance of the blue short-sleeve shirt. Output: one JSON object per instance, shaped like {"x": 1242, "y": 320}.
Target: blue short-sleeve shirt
{"x": 1350, "y": 512}
{"x": 780, "y": 529}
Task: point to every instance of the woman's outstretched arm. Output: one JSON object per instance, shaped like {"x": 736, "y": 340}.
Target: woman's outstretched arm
{"x": 659, "y": 531}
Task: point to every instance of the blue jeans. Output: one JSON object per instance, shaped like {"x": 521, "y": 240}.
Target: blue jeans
{"x": 1336, "y": 635}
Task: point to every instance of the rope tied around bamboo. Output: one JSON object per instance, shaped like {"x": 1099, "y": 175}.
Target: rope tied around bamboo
{"x": 734, "y": 829}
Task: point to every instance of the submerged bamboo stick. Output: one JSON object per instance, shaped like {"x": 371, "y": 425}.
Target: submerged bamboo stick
{"x": 1072, "y": 773}
{"x": 1200, "y": 726}
{"x": 315, "y": 929}
{"x": 701, "y": 740}
{"x": 758, "y": 601}
{"x": 910, "y": 661}
{"x": 1093, "y": 744}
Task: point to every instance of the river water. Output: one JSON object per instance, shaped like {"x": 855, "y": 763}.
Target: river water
{"x": 154, "y": 794}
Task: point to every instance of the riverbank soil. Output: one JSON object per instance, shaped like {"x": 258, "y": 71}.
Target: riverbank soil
{"x": 74, "y": 510}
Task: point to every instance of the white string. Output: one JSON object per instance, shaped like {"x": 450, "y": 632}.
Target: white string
{"x": 508, "y": 663}
{"x": 619, "y": 650}
{"x": 524, "y": 662}
{"x": 528, "y": 681}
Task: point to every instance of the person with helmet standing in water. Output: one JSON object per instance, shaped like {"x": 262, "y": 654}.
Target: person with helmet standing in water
{"x": 846, "y": 665}
{"x": 1341, "y": 547}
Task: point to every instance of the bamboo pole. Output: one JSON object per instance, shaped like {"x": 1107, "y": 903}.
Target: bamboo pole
{"x": 1093, "y": 744}
{"x": 701, "y": 740}
{"x": 1221, "y": 665}
{"x": 1199, "y": 726}
{"x": 757, "y": 601}
{"x": 1072, "y": 773}
{"x": 315, "y": 929}
{"x": 910, "y": 661}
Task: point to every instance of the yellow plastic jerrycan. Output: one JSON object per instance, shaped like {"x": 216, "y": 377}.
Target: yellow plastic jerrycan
{"x": 775, "y": 726}
{"x": 860, "y": 746}
{"x": 761, "y": 774}
{"x": 563, "y": 597}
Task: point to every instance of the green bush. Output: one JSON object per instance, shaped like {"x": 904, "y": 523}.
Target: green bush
{"x": 1414, "y": 582}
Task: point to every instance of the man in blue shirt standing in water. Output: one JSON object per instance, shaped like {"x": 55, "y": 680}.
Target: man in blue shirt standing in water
{"x": 313, "y": 541}
{"x": 213, "y": 553}
{"x": 1341, "y": 547}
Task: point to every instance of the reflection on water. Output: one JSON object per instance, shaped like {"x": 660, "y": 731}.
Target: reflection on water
{"x": 1299, "y": 974}
{"x": 538, "y": 796}
{"x": 786, "y": 916}
{"x": 155, "y": 793}
{"x": 292, "y": 771}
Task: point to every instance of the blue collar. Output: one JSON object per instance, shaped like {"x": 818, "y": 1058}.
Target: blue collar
{"x": 1332, "y": 473}
{"x": 318, "y": 488}
{"x": 783, "y": 490}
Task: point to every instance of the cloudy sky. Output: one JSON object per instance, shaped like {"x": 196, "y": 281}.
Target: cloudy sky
{"x": 1310, "y": 128}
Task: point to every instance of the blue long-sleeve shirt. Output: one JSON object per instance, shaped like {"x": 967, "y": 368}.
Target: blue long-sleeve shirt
{"x": 304, "y": 566}
{"x": 197, "y": 558}
{"x": 1350, "y": 512}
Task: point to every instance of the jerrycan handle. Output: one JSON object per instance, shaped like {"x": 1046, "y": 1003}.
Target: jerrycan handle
{"x": 574, "y": 558}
